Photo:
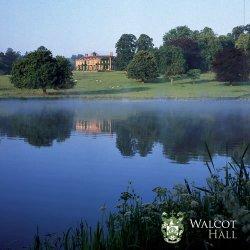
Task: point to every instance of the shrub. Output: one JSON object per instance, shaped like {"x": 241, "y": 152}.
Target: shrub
{"x": 194, "y": 74}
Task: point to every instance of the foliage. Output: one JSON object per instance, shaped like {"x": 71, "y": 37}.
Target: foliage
{"x": 209, "y": 45}
{"x": 230, "y": 65}
{"x": 125, "y": 50}
{"x": 226, "y": 41}
{"x": 78, "y": 56}
{"x": 191, "y": 51}
{"x": 137, "y": 225}
{"x": 180, "y": 32}
{"x": 7, "y": 59}
{"x": 194, "y": 74}
{"x": 40, "y": 70}
{"x": 63, "y": 74}
{"x": 144, "y": 42}
{"x": 170, "y": 59}
{"x": 238, "y": 30}
{"x": 143, "y": 66}
{"x": 243, "y": 43}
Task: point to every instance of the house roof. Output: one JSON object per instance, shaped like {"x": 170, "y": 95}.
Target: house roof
{"x": 94, "y": 57}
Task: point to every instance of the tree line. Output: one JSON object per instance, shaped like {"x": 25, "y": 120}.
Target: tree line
{"x": 7, "y": 59}
{"x": 186, "y": 51}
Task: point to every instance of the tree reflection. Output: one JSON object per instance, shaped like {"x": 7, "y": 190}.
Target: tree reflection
{"x": 183, "y": 136}
{"x": 38, "y": 128}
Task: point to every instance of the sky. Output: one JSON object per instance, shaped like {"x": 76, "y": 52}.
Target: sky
{"x": 69, "y": 27}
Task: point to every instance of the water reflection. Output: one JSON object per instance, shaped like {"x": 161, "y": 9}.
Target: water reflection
{"x": 183, "y": 137}
{"x": 181, "y": 131}
{"x": 94, "y": 127}
{"x": 38, "y": 128}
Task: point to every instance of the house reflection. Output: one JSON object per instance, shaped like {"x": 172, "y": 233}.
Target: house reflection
{"x": 94, "y": 127}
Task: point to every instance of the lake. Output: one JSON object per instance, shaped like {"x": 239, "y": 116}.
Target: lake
{"x": 61, "y": 160}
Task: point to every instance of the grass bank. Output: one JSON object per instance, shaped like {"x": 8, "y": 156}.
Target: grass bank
{"x": 136, "y": 225}
{"x": 115, "y": 85}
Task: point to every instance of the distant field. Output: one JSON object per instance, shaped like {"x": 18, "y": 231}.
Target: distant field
{"x": 115, "y": 85}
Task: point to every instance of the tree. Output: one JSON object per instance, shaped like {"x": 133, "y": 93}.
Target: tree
{"x": 230, "y": 65}
{"x": 168, "y": 55}
{"x": 170, "y": 61}
{"x": 63, "y": 74}
{"x": 7, "y": 59}
{"x": 190, "y": 50}
{"x": 78, "y": 56}
{"x": 40, "y": 70}
{"x": 209, "y": 45}
{"x": 194, "y": 74}
{"x": 243, "y": 43}
{"x": 177, "y": 33}
{"x": 237, "y": 31}
{"x": 2, "y": 64}
{"x": 226, "y": 41}
{"x": 144, "y": 42}
{"x": 125, "y": 50}
{"x": 143, "y": 66}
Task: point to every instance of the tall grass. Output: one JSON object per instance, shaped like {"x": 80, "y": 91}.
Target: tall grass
{"x": 137, "y": 225}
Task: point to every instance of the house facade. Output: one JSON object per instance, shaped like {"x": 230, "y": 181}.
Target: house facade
{"x": 95, "y": 62}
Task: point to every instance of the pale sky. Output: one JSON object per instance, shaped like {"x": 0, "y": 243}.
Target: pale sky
{"x": 82, "y": 26}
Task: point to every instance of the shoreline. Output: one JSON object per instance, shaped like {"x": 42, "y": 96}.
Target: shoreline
{"x": 125, "y": 99}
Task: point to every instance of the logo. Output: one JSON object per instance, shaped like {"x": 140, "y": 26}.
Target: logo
{"x": 172, "y": 227}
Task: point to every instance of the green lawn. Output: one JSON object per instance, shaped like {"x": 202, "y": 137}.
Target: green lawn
{"x": 115, "y": 85}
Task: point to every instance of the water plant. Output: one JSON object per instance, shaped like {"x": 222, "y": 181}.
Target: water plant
{"x": 137, "y": 225}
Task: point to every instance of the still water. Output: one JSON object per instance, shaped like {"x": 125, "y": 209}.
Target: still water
{"x": 60, "y": 160}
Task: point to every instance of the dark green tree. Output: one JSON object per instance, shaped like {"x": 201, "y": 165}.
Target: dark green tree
{"x": 167, "y": 55}
{"x": 237, "y": 31}
{"x": 226, "y": 41}
{"x": 144, "y": 42}
{"x": 170, "y": 61}
{"x": 40, "y": 70}
{"x": 177, "y": 33}
{"x": 7, "y": 59}
{"x": 230, "y": 65}
{"x": 78, "y": 56}
{"x": 2, "y": 63}
{"x": 209, "y": 45}
{"x": 191, "y": 51}
{"x": 143, "y": 66}
{"x": 63, "y": 74}
{"x": 125, "y": 50}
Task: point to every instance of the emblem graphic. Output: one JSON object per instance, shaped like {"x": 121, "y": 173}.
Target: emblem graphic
{"x": 172, "y": 227}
